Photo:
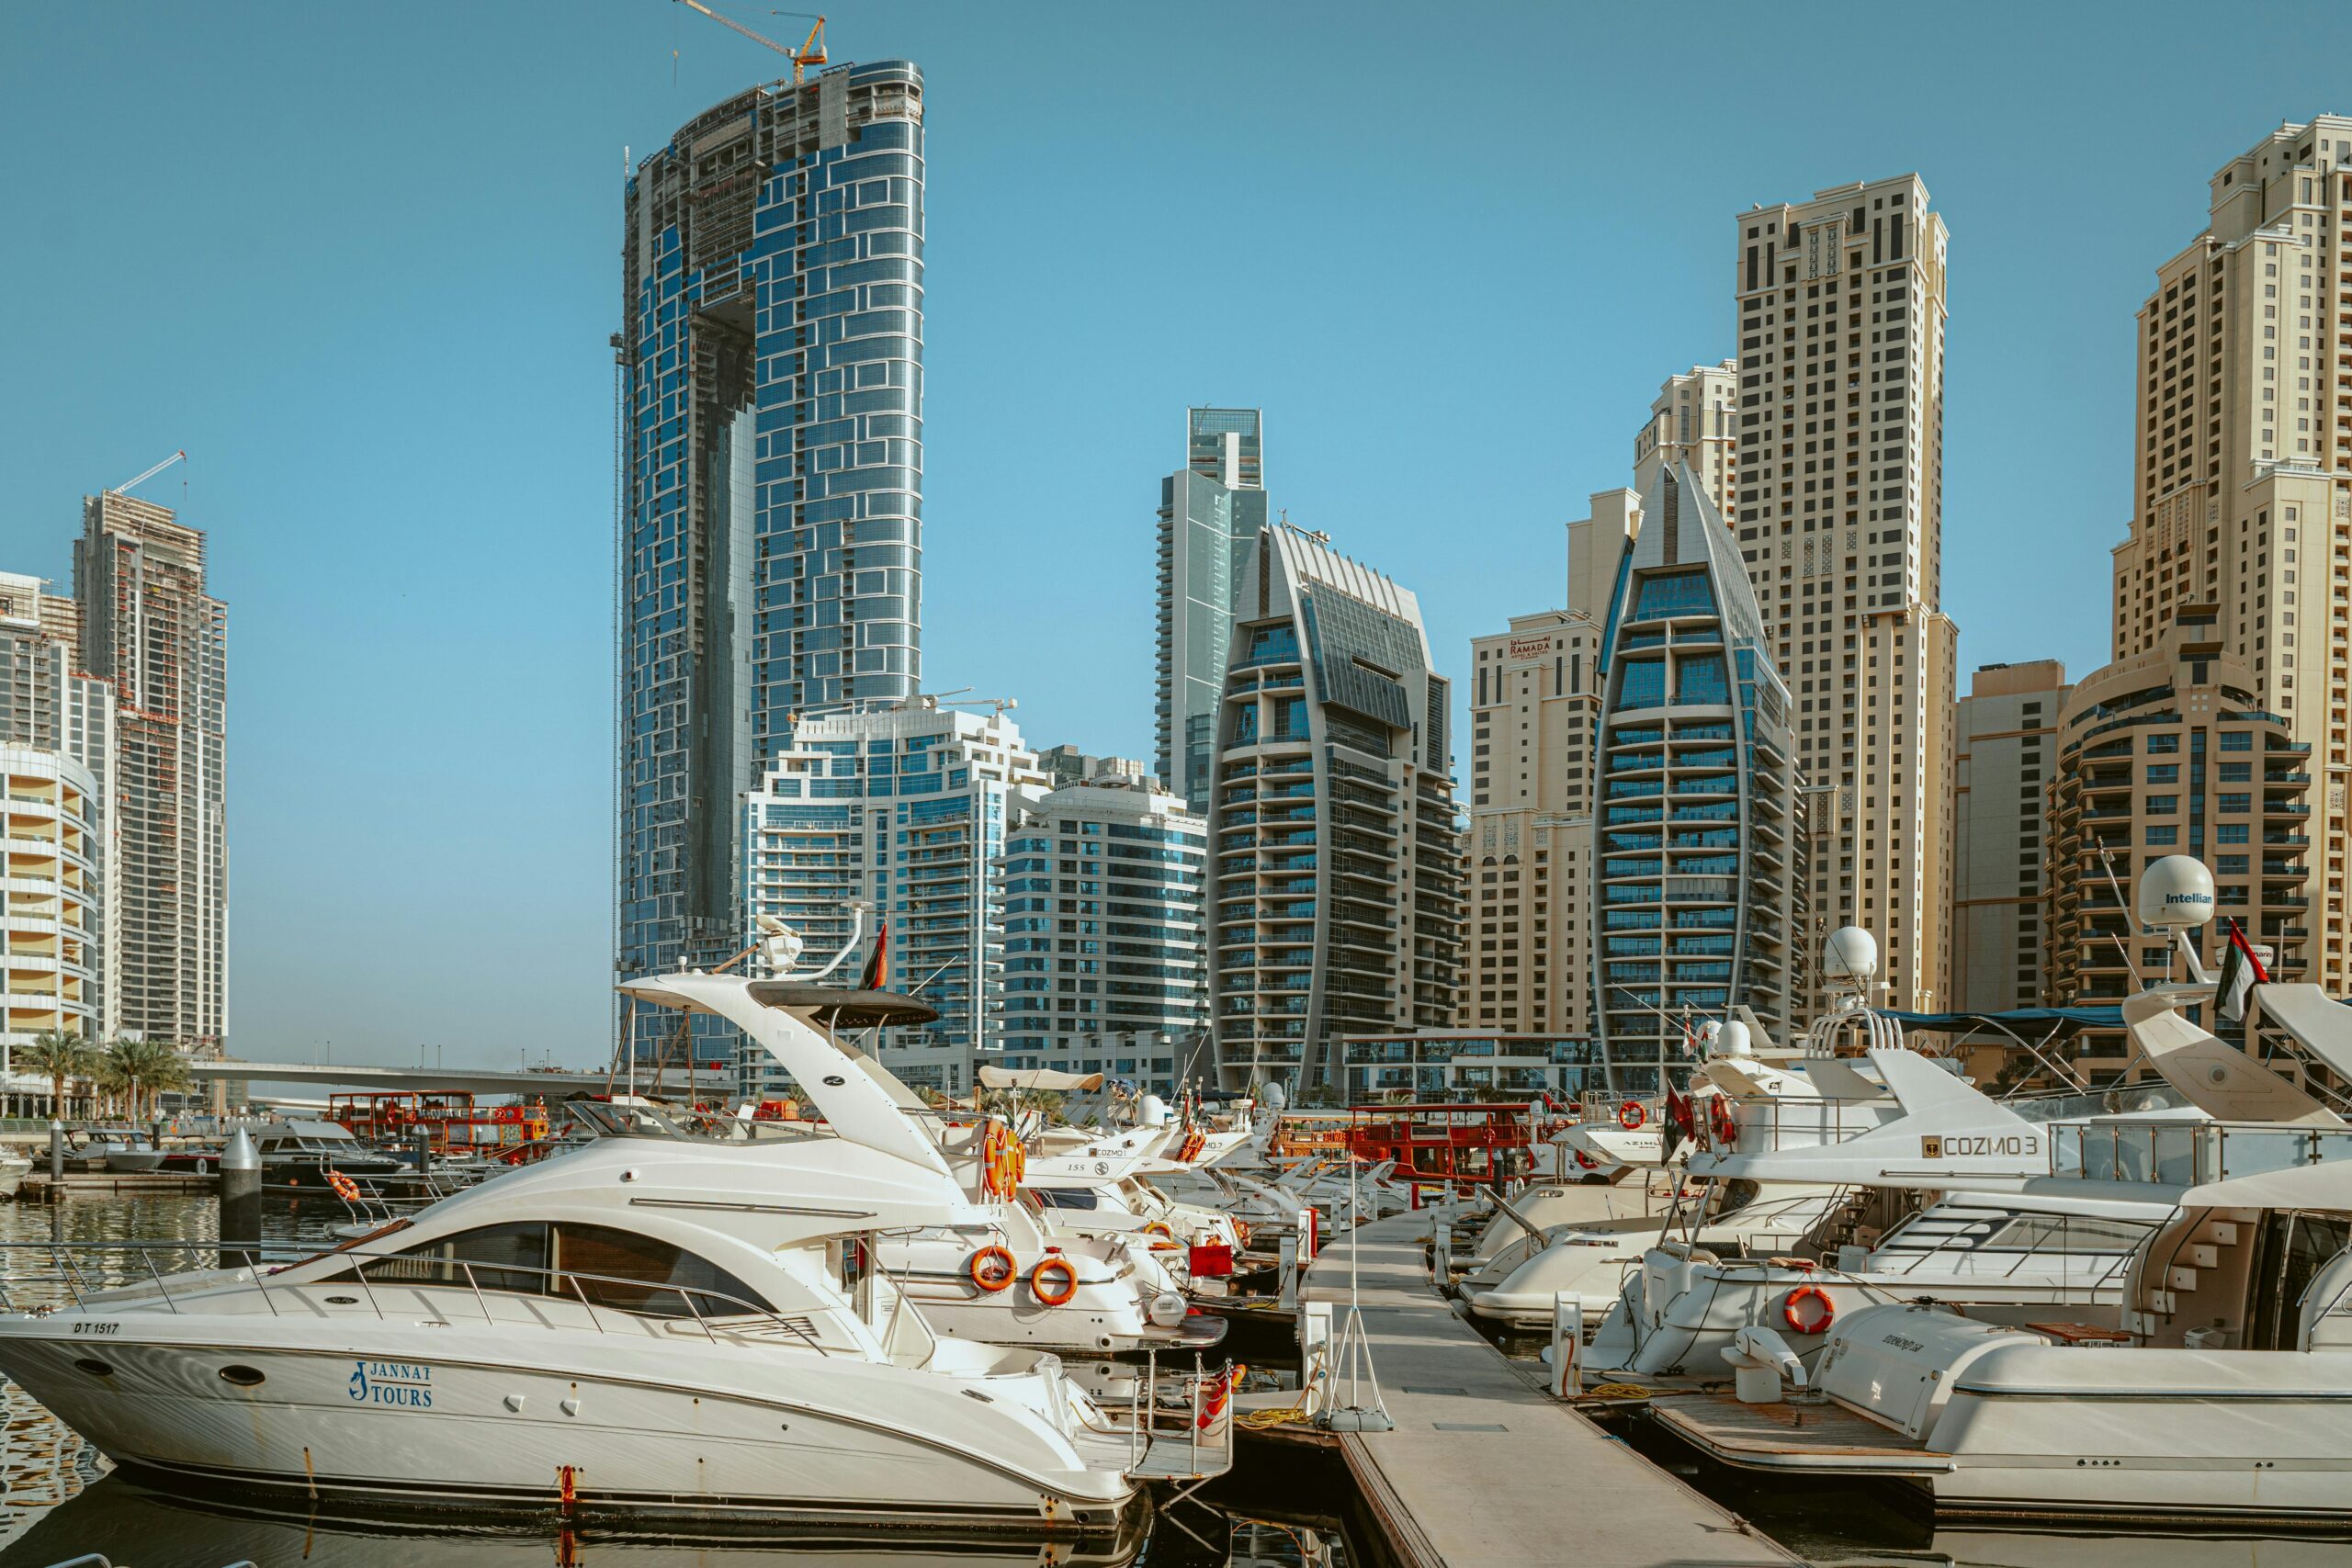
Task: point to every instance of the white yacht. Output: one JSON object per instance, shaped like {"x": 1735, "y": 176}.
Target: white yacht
{"x": 639, "y": 1329}
{"x": 2226, "y": 1397}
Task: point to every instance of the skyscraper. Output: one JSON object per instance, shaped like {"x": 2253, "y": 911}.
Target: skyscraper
{"x": 57, "y": 749}
{"x": 1211, "y": 513}
{"x": 904, "y": 809}
{"x": 2007, "y": 743}
{"x": 1694, "y": 419}
{"x": 1104, "y": 969}
{"x": 1840, "y": 520}
{"x": 2241, "y": 479}
{"x": 770, "y": 453}
{"x": 1335, "y": 873}
{"x": 1701, "y": 854}
{"x": 147, "y": 626}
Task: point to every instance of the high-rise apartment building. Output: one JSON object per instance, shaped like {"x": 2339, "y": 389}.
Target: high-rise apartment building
{"x": 2006, "y": 746}
{"x": 57, "y": 731}
{"x": 1534, "y": 702}
{"x": 1839, "y": 514}
{"x": 770, "y": 432}
{"x": 2242, "y": 482}
{"x": 1694, "y": 423}
{"x": 146, "y": 626}
{"x": 2170, "y": 751}
{"x": 1697, "y": 818}
{"x": 1210, "y": 513}
{"x": 1335, "y": 873}
{"x": 1103, "y": 965}
{"x": 902, "y": 809}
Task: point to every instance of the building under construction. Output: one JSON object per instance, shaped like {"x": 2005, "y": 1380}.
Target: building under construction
{"x": 146, "y": 624}
{"x": 769, "y": 441}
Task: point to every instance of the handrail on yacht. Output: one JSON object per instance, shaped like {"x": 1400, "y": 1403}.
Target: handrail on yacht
{"x": 74, "y": 1281}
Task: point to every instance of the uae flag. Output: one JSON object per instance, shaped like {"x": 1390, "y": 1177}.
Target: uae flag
{"x": 1678, "y": 1123}
{"x": 2241, "y": 972}
{"x": 877, "y": 962}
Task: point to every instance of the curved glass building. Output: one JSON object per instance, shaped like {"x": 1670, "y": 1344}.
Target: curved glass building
{"x": 770, "y": 445}
{"x": 1696, "y": 804}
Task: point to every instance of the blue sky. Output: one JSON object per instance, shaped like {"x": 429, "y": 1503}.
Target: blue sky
{"x": 361, "y": 262}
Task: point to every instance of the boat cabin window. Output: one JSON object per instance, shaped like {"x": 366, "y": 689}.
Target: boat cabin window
{"x": 611, "y": 1268}
{"x": 2069, "y": 1233}
{"x": 1066, "y": 1197}
{"x": 2293, "y": 1248}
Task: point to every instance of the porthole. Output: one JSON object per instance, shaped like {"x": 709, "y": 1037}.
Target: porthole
{"x": 243, "y": 1376}
{"x": 343, "y": 1300}
{"x": 96, "y": 1369}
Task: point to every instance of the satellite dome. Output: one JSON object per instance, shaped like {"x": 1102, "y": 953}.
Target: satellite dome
{"x": 1850, "y": 953}
{"x": 2175, "y": 892}
{"x": 1152, "y": 1111}
{"x": 1732, "y": 1041}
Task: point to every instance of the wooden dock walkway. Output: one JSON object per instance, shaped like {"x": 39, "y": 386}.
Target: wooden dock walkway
{"x": 1484, "y": 1470}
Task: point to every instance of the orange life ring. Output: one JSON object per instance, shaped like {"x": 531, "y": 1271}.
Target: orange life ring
{"x": 1587, "y": 1161}
{"x": 1631, "y": 1115}
{"x": 993, "y": 1269}
{"x": 1160, "y": 1228}
{"x": 1192, "y": 1146}
{"x": 344, "y": 1187}
{"x": 1726, "y": 1129}
{"x": 995, "y": 1163}
{"x": 1054, "y": 1297}
{"x": 1803, "y": 1323}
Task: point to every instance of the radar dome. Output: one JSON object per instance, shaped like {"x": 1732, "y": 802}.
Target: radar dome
{"x": 2175, "y": 892}
{"x": 1273, "y": 1096}
{"x": 1152, "y": 1111}
{"x": 1732, "y": 1041}
{"x": 1850, "y": 953}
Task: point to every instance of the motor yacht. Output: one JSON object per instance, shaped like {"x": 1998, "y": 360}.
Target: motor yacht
{"x": 303, "y": 1156}
{"x": 641, "y": 1329}
{"x": 2226, "y": 1397}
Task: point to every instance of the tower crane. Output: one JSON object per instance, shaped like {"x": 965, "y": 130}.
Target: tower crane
{"x": 810, "y": 52}
{"x": 126, "y": 487}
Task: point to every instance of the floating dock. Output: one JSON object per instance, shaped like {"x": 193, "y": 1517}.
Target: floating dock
{"x": 1482, "y": 1467}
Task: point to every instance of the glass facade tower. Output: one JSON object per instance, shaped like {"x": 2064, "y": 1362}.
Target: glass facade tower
{"x": 769, "y": 430}
{"x": 1210, "y": 513}
{"x": 1699, "y": 867}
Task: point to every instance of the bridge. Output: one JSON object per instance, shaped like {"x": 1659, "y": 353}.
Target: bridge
{"x": 476, "y": 1080}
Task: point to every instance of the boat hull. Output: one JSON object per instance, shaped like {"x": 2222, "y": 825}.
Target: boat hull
{"x": 447, "y": 1420}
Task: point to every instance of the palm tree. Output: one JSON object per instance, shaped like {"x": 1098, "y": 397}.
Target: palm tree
{"x": 141, "y": 1069}
{"x": 59, "y": 1057}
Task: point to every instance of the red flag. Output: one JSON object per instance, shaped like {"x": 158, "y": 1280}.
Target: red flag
{"x": 877, "y": 962}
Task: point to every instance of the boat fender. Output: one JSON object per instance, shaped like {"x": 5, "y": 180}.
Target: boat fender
{"x": 1799, "y": 1311}
{"x": 1064, "y": 1282}
{"x": 991, "y": 1269}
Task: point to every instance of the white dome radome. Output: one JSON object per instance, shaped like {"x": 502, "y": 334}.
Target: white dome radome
{"x": 2175, "y": 892}
{"x": 1851, "y": 954}
{"x": 1731, "y": 1040}
{"x": 1152, "y": 1111}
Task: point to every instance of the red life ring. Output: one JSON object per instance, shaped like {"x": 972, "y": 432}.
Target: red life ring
{"x": 1631, "y": 1115}
{"x": 1587, "y": 1161}
{"x": 344, "y": 1187}
{"x": 1054, "y": 1297}
{"x": 991, "y": 1269}
{"x": 1805, "y": 1323}
{"x": 1726, "y": 1129}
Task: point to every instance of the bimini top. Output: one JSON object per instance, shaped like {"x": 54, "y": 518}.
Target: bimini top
{"x": 2071, "y": 1020}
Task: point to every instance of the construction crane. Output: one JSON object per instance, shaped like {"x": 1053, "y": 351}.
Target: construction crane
{"x": 125, "y": 488}
{"x": 810, "y": 52}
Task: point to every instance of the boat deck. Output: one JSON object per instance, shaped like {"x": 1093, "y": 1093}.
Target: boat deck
{"x": 1826, "y": 1440}
{"x": 1483, "y": 1467}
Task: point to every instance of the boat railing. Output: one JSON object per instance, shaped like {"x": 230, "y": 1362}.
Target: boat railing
{"x": 2188, "y": 1154}
{"x": 740, "y": 1317}
{"x": 1201, "y": 1447}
